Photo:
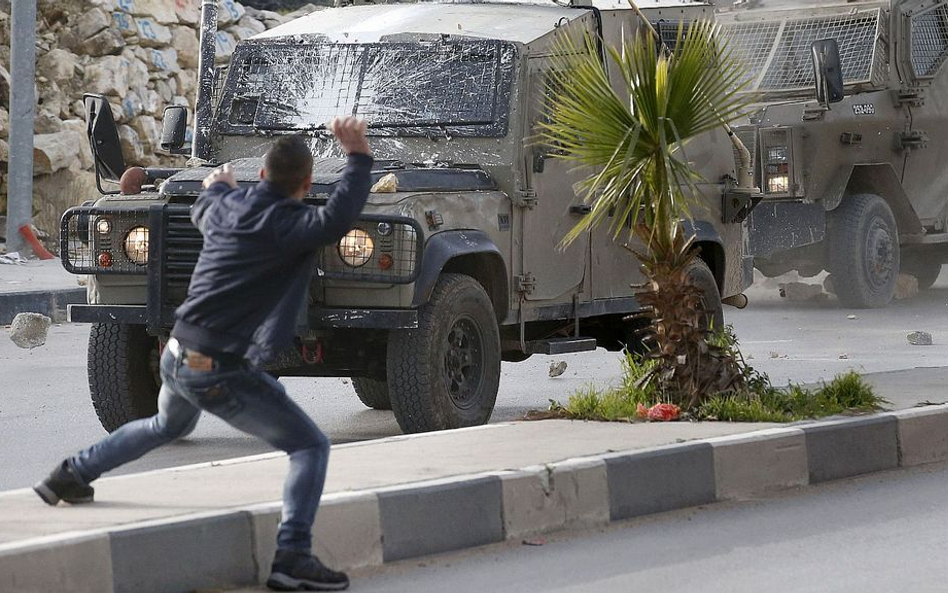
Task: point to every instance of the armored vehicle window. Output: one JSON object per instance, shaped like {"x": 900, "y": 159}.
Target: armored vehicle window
{"x": 400, "y": 89}
{"x": 777, "y": 52}
{"x": 929, "y": 41}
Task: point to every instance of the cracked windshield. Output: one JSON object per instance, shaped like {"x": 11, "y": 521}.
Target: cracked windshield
{"x": 667, "y": 252}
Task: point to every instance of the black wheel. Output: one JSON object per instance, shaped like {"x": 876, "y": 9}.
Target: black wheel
{"x": 445, "y": 373}
{"x": 123, "y": 373}
{"x": 372, "y": 392}
{"x": 926, "y": 271}
{"x": 699, "y": 274}
{"x": 863, "y": 253}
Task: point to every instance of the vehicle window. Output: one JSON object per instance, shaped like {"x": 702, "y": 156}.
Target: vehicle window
{"x": 929, "y": 41}
{"x": 399, "y": 88}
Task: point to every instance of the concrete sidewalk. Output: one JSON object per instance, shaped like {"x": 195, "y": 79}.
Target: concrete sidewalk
{"x": 38, "y": 286}
{"x": 214, "y": 525}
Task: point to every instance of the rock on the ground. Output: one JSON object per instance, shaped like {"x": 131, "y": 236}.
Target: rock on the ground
{"x": 28, "y": 330}
{"x": 906, "y": 286}
{"x": 800, "y": 291}
{"x": 920, "y": 339}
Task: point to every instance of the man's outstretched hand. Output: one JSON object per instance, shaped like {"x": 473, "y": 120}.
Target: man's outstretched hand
{"x": 223, "y": 174}
{"x": 350, "y": 132}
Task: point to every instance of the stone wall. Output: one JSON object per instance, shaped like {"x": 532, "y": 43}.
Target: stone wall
{"x": 141, "y": 54}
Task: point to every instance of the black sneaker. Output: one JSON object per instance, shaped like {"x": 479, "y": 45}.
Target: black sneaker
{"x": 64, "y": 484}
{"x": 299, "y": 571}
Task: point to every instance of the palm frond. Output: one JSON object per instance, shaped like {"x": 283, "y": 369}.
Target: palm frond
{"x": 633, "y": 141}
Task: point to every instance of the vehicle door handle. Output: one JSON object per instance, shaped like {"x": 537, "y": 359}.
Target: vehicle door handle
{"x": 580, "y": 209}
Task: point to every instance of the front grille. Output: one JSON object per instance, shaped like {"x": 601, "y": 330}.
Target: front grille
{"x": 182, "y": 244}
{"x": 93, "y": 240}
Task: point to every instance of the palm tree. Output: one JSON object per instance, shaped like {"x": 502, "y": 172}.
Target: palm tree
{"x": 641, "y": 183}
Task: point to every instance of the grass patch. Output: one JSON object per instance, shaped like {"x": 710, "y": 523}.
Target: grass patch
{"x": 759, "y": 402}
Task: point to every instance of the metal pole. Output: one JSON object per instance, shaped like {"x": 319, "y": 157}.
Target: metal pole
{"x": 22, "y": 105}
{"x": 200, "y": 145}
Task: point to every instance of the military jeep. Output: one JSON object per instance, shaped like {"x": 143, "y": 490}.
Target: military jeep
{"x": 455, "y": 264}
{"x": 855, "y": 181}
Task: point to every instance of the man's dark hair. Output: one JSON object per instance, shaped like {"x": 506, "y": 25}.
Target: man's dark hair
{"x": 288, "y": 163}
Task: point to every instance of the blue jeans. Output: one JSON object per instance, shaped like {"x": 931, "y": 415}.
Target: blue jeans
{"x": 247, "y": 399}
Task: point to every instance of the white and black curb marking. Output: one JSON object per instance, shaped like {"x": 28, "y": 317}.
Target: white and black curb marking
{"x": 357, "y": 529}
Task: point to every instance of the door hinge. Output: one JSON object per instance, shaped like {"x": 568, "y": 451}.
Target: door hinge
{"x": 525, "y": 283}
{"x": 526, "y": 198}
{"x": 912, "y": 140}
{"x": 913, "y": 97}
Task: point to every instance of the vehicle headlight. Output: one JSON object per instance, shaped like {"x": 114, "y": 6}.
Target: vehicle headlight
{"x": 356, "y": 248}
{"x": 136, "y": 245}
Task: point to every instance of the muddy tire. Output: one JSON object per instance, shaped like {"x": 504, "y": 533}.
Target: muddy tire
{"x": 445, "y": 373}
{"x": 123, "y": 373}
{"x": 372, "y": 392}
{"x": 864, "y": 256}
{"x": 925, "y": 271}
{"x": 700, "y": 275}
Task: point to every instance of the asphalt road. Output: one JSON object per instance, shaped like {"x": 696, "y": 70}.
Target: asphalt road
{"x": 45, "y": 412}
{"x": 882, "y": 533}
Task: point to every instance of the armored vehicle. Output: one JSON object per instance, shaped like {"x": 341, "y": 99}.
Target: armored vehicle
{"x": 854, "y": 181}
{"x": 454, "y": 265}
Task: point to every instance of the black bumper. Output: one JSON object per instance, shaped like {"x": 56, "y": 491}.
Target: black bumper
{"x": 323, "y": 318}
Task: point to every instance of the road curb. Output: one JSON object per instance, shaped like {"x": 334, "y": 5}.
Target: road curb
{"x": 51, "y": 303}
{"x": 369, "y": 528}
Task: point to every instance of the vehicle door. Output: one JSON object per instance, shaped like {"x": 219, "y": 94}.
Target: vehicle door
{"x": 551, "y": 209}
{"x": 925, "y": 179}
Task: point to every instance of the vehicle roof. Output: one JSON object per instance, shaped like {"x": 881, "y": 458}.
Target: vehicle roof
{"x": 518, "y": 22}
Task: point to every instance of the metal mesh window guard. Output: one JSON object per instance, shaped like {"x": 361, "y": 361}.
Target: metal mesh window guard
{"x": 929, "y": 41}
{"x": 392, "y": 256}
{"x": 777, "y": 53}
{"x": 104, "y": 241}
{"x": 278, "y": 86}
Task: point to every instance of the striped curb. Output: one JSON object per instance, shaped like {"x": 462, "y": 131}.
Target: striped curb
{"x": 369, "y": 528}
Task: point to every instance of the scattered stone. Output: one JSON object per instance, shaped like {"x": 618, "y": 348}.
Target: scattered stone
{"x": 229, "y": 12}
{"x": 800, "y": 291}
{"x": 47, "y": 123}
{"x": 774, "y": 354}
{"x": 557, "y": 368}
{"x": 906, "y": 286}
{"x": 920, "y": 338}
{"x": 226, "y": 43}
{"x": 104, "y": 43}
{"x": 152, "y": 33}
{"x": 253, "y": 24}
{"x": 850, "y": 317}
{"x": 131, "y": 145}
{"x": 107, "y": 76}
{"x": 185, "y": 41}
{"x": 90, "y": 23}
{"x": 844, "y": 357}
{"x": 162, "y": 11}
{"x": 52, "y": 152}
{"x": 58, "y": 65}
{"x": 29, "y": 330}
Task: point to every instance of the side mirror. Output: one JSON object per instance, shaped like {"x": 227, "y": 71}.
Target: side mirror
{"x": 174, "y": 128}
{"x": 828, "y": 71}
{"x": 103, "y": 137}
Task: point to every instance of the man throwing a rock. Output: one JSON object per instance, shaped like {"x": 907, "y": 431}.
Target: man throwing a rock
{"x": 245, "y": 296}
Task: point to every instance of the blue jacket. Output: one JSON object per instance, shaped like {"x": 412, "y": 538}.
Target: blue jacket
{"x": 258, "y": 257}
